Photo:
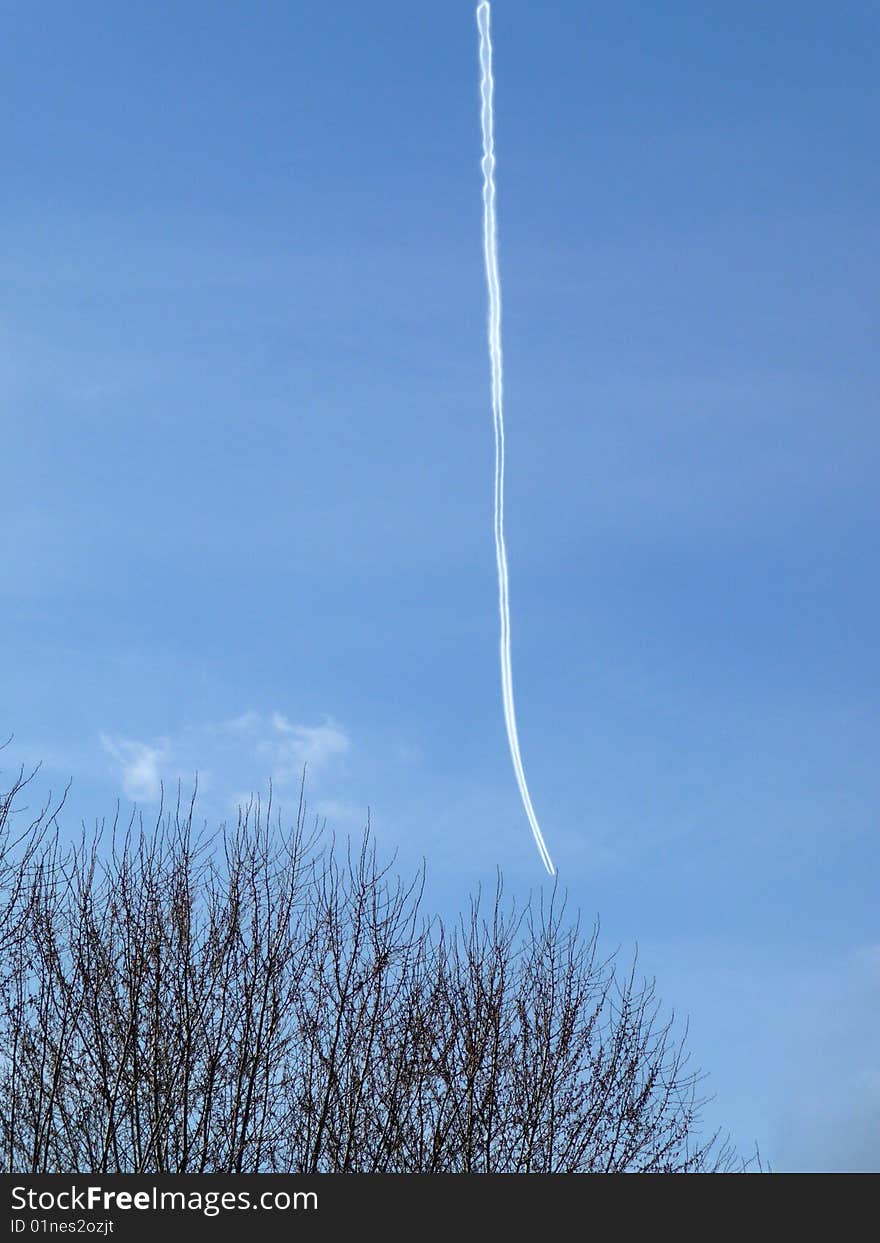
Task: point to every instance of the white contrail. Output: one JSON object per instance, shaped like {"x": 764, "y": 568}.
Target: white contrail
{"x": 490, "y": 249}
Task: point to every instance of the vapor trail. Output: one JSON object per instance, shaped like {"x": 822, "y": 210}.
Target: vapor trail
{"x": 490, "y": 250}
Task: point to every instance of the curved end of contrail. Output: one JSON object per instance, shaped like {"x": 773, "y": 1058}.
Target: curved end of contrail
{"x": 493, "y": 282}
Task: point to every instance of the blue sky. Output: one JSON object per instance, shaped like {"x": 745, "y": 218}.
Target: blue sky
{"x": 245, "y": 469}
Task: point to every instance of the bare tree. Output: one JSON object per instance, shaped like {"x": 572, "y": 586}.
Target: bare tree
{"x": 262, "y": 1000}
{"x": 21, "y": 840}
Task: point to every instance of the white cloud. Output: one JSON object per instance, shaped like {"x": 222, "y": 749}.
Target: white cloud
{"x": 340, "y": 812}
{"x": 237, "y": 726}
{"x": 140, "y": 766}
{"x": 294, "y": 747}
{"x": 253, "y": 747}
{"x": 283, "y": 747}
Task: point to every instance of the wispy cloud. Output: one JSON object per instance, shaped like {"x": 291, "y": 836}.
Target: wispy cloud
{"x": 339, "y": 812}
{"x": 140, "y": 765}
{"x": 294, "y": 747}
{"x": 253, "y": 746}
